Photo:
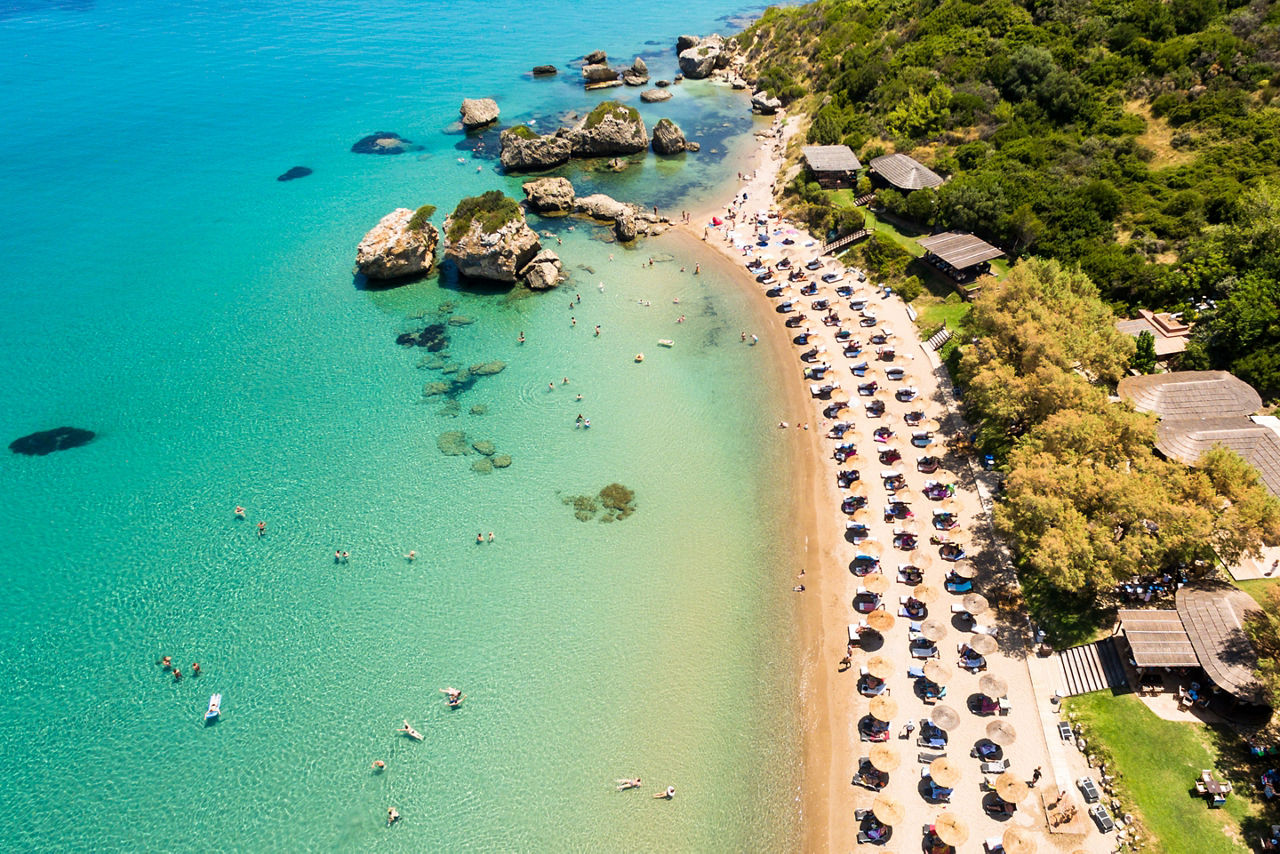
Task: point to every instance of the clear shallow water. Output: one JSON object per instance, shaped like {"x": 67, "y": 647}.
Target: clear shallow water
{"x": 164, "y": 290}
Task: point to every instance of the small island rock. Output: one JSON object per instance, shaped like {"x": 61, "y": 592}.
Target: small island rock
{"x": 525, "y": 151}
{"x": 487, "y": 237}
{"x": 393, "y": 249}
{"x": 596, "y": 57}
{"x": 637, "y": 74}
{"x": 611, "y": 128}
{"x": 550, "y": 195}
{"x": 544, "y": 70}
{"x": 653, "y": 96}
{"x": 478, "y": 112}
{"x": 598, "y": 73}
{"x": 543, "y": 272}
{"x": 668, "y": 138}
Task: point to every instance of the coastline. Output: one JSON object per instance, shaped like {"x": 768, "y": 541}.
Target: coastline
{"x": 821, "y": 613}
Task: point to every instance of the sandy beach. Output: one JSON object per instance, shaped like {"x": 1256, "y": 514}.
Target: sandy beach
{"x": 833, "y": 707}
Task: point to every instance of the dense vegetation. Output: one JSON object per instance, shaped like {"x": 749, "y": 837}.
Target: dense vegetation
{"x": 493, "y": 209}
{"x": 606, "y": 109}
{"x": 421, "y": 217}
{"x": 1130, "y": 137}
{"x": 1088, "y": 502}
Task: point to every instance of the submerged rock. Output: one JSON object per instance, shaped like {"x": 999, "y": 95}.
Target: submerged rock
{"x": 461, "y": 320}
{"x": 383, "y": 142}
{"x": 478, "y": 112}
{"x": 501, "y": 461}
{"x": 488, "y": 369}
{"x": 435, "y": 388}
{"x": 484, "y": 446}
{"x": 401, "y": 244}
{"x": 482, "y": 466}
{"x": 479, "y": 409}
{"x": 295, "y": 173}
{"x": 616, "y": 501}
{"x": 433, "y": 337}
{"x": 47, "y": 441}
{"x": 453, "y": 443}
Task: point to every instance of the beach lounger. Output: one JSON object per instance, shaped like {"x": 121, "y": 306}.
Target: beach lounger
{"x": 997, "y": 766}
{"x": 928, "y": 758}
{"x": 915, "y": 671}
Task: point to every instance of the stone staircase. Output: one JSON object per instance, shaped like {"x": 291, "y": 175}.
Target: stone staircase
{"x": 1092, "y": 667}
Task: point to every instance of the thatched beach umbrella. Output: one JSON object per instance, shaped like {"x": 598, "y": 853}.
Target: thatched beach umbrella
{"x": 975, "y": 603}
{"x": 1011, "y": 789}
{"x": 930, "y": 424}
{"x": 1018, "y": 840}
{"x": 888, "y": 810}
{"x": 964, "y": 569}
{"x": 1001, "y": 732}
{"x": 884, "y": 758}
{"x": 950, "y": 829}
{"x": 926, "y": 593}
{"x": 993, "y": 686}
{"x": 884, "y": 708}
{"x": 959, "y": 536}
{"x": 857, "y": 488}
{"x": 937, "y": 672}
{"x": 877, "y": 583}
{"x": 934, "y": 629}
{"x": 880, "y": 620}
{"x": 945, "y": 718}
{"x": 870, "y": 547}
{"x": 880, "y": 666}
{"x": 944, "y": 772}
{"x": 983, "y": 644}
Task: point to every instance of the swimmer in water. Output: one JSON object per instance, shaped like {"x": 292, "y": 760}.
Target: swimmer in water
{"x": 392, "y": 816}
{"x": 411, "y": 556}
{"x": 668, "y": 794}
{"x": 195, "y": 668}
{"x": 262, "y": 529}
{"x": 239, "y": 512}
{"x": 379, "y": 766}
{"x": 625, "y": 784}
{"x": 597, "y": 331}
{"x": 521, "y": 338}
{"x": 579, "y": 397}
{"x": 479, "y": 538}
{"x": 491, "y": 536}
{"x": 167, "y": 662}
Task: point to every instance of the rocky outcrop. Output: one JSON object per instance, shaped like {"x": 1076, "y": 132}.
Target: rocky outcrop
{"x": 544, "y": 70}
{"x": 478, "y": 112}
{"x": 764, "y": 103}
{"x": 525, "y": 151}
{"x": 543, "y": 272}
{"x": 598, "y": 73}
{"x": 668, "y": 138}
{"x": 600, "y": 206}
{"x": 629, "y": 221}
{"x": 487, "y": 238}
{"x": 295, "y": 173}
{"x": 596, "y": 57}
{"x": 624, "y": 227}
{"x": 637, "y": 74}
{"x": 653, "y": 96}
{"x": 609, "y": 129}
{"x": 700, "y": 60}
{"x": 550, "y": 195}
{"x": 737, "y": 82}
{"x": 383, "y": 142}
{"x": 48, "y": 441}
{"x": 393, "y": 249}
{"x": 683, "y": 43}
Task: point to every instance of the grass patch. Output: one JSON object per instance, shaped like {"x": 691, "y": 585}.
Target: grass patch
{"x": 523, "y": 132}
{"x": 493, "y": 210}
{"x": 1158, "y": 762}
{"x": 605, "y": 109}
{"x": 934, "y": 311}
{"x": 1258, "y": 589}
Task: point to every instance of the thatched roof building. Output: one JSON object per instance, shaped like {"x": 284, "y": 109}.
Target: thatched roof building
{"x": 905, "y": 173}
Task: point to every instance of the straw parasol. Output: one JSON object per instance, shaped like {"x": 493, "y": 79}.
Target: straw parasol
{"x": 946, "y": 718}
{"x": 993, "y": 686}
{"x": 880, "y": 667}
{"x": 959, "y": 536}
{"x": 983, "y": 644}
{"x": 1001, "y": 732}
{"x": 880, "y": 620}
{"x": 926, "y": 593}
{"x": 944, "y": 772}
{"x": 858, "y": 487}
{"x": 964, "y": 569}
{"x": 950, "y": 829}
{"x": 1018, "y": 840}
{"x": 884, "y": 757}
{"x": 884, "y": 708}
{"x": 930, "y": 424}
{"x": 937, "y": 672}
{"x": 888, "y": 810}
{"x": 870, "y": 547}
{"x": 877, "y": 583}
{"x": 934, "y": 629}
{"x": 1010, "y": 788}
{"x": 975, "y": 603}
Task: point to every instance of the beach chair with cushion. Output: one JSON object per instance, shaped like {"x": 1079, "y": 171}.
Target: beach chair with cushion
{"x": 998, "y": 766}
{"x": 993, "y": 845}
{"x": 928, "y": 758}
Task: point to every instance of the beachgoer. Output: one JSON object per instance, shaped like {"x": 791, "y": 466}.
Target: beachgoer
{"x": 392, "y": 816}
{"x": 551, "y": 386}
{"x": 262, "y": 529}
{"x": 628, "y": 784}
{"x": 782, "y": 425}
{"x": 177, "y": 675}
{"x": 411, "y": 556}
{"x": 697, "y": 268}
{"x": 239, "y": 512}
{"x": 167, "y": 662}
{"x": 379, "y": 766}
{"x": 195, "y": 668}
{"x": 681, "y": 320}
{"x": 573, "y": 321}
{"x": 597, "y": 331}
{"x": 521, "y": 338}
{"x": 799, "y": 588}
{"x": 337, "y": 556}
{"x": 579, "y": 397}
{"x": 579, "y": 296}
{"x": 668, "y": 794}
{"x": 346, "y": 556}
{"x": 564, "y": 381}
{"x": 491, "y": 536}
{"x": 744, "y": 336}
{"x": 479, "y": 538}
{"x": 754, "y": 340}
{"x": 1035, "y": 776}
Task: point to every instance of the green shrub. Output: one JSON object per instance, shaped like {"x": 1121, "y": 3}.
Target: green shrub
{"x": 492, "y": 209}
{"x": 421, "y": 217}
{"x": 605, "y": 109}
{"x": 523, "y": 131}
{"x": 910, "y": 288}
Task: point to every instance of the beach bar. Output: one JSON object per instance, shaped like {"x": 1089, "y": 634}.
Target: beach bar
{"x": 962, "y": 257}
{"x": 904, "y": 173}
{"x": 832, "y": 166}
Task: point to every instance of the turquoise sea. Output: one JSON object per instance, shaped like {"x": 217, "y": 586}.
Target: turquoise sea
{"x": 164, "y": 290}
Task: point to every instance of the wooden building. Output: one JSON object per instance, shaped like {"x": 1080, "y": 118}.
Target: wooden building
{"x": 832, "y": 166}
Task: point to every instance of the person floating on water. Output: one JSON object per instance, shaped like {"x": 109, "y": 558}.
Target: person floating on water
{"x": 491, "y": 536}
{"x": 337, "y": 556}
{"x": 452, "y": 696}
{"x": 668, "y": 794}
{"x": 346, "y": 557}
{"x": 580, "y": 419}
{"x": 392, "y": 816}
{"x": 167, "y": 662}
{"x": 177, "y": 675}
{"x": 628, "y": 783}
{"x": 597, "y": 331}
{"x": 379, "y": 766}
{"x": 239, "y": 512}
{"x": 411, "y": 556}
{"x": 521, "y": 338}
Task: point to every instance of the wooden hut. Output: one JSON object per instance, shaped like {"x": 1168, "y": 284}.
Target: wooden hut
{"x": 832, "y": 166}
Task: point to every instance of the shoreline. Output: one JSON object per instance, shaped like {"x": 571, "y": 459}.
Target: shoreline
{"x": 819, "y": 534}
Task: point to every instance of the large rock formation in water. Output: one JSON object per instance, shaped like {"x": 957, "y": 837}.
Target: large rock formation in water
{"x": 652, "y": 96}
{"x": 609, "y": 129}
{"x": 47, "y": 441}
{"x": 402, "y": 244}
{"x": 543, "y": 272}
{"x": 764, "y": 103}
{"x": 698, "y": 61}
{"x": 637, "y": 74}
{"x": 487, "y": 238}
{"x": 549, "y": 195}
{"x": 668, "y": 138}
{"x": 478, "y": 112}
{"x": 526, "y": 151}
